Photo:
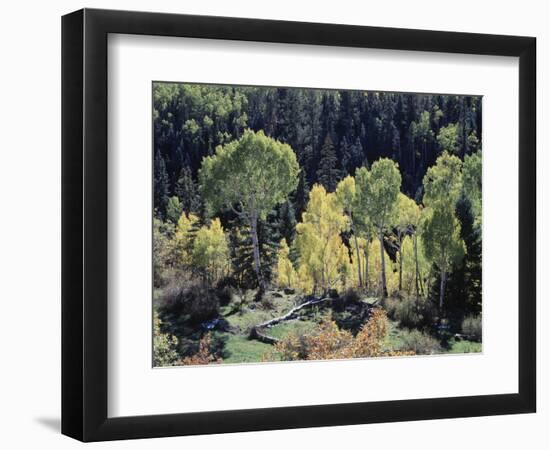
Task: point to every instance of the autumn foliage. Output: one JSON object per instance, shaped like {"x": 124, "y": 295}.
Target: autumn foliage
{"x": 203, "y": 356}
{"x": 331, "y": 342}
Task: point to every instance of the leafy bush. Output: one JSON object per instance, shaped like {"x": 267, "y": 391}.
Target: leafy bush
{"x": 410, "y": 312}
{"x": 203, "y": 356}
{"x": 418, "y": 342}
{"x": 351, "y": 296}
{"x": 193, "y": 304}
{"x": 225, "y": 295}
{"x": 390, "y": 305}
{"x": 471, "y": 327}
{"x": 331, "y": 342}
{"x": 164, "y": 345}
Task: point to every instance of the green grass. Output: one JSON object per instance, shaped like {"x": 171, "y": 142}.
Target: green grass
{"x": 253, "y": 313}
{"x": 283, "y": 329}
{"x": 239, "y": 349}
{"x": 242, "y": 322}
{"x": 393, "y": 340}
{"x": 464, "y": 346}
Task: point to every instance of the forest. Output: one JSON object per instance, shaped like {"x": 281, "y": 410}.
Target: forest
{"x": 309, "y": 224}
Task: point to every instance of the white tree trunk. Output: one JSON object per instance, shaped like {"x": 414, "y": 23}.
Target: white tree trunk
{"x": 382, "y": 265}
{"x": 256, "y": 250}
{"x": 416, "y": 271}
{"x": 358, "y": 259}
{"x": 442, "y": 288}
{"x": 400, "y": 262}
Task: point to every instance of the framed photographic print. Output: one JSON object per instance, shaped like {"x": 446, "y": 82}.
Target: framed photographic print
{"x": 274, "y": 224}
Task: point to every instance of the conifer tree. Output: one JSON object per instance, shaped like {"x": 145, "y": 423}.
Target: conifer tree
{"x": 173, "y": 209}
{"x": 328, "y": 173}
{"x": 186, "y": 190}
{"x": 301, "y": 195}
{"x": 160, "y": 184}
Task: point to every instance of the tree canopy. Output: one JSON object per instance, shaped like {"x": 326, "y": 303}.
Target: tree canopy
{"x": 315, "y": 223}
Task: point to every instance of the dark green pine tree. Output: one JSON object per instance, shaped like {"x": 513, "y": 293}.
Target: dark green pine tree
{"x": 352, "y": 155}
{"x": 310, "y": 133}
{"x": 186, "y": 190}
{"x": 328, "y": 173}
{"x": 269, "y": 237}
{"x": 287, "y": 221}
{"x": 301, "y": 196}
{"x": 240, "y": 247}
{"x": 464, "y": 286}
{"x": 471, "y": 234}
{"x": 160, "y": 182}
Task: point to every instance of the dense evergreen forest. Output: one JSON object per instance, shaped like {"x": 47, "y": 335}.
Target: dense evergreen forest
{"x": 314, "y": 224}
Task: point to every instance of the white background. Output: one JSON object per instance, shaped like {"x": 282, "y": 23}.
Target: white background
{"x": 30, "y": 235}
{"x": 136, "y": 389}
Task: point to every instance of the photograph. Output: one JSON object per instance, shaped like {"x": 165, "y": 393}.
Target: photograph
{"x": 294, "y": 224}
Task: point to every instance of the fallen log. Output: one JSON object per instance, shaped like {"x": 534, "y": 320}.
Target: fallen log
{"x": 291, "y": 313}
{"x": 256, "y": 334}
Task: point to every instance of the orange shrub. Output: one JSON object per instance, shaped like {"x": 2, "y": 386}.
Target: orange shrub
{"x": 330, "y": 342}
{"x": 203, "y": 356}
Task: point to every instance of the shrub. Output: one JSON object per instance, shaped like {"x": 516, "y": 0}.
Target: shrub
{"x": 471, "y": 327}
{"x": 193, "y": 304}
{"x": 164, "y": 345}
{"x": 351, "y": 296}
{"x": 390, "y": 305}
{"x": 204, "y": 354}
{"x": 407, "y": 313}
{"x": 418, "y": 342}
{"x": 225, "y": 295}
{"x": 410, "y": 312}
{"x": 330, "y": 342}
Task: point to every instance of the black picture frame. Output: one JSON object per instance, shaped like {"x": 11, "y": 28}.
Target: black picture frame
{"x": 84, "y": 224}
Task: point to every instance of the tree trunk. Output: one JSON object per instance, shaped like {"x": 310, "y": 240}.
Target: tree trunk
{"x": 358, "y": 258}
{"x": 382, "y": 265}
{"x": 400, "y": 262}
{"x": 416, "y": 271}
{"x": 442, "y": 289}
{"x": 256, "y": 250}
{"x": 367, "y": 266}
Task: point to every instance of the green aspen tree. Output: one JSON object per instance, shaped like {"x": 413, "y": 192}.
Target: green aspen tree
{"x": 378, "y": 191}
{"x": 249, "y": 176}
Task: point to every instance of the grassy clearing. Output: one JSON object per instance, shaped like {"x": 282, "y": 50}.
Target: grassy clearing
{"x": 252, "y": 313}
{"x": 244, "y": 313}
{"x": 243, "y": 321}
{"x": 239, "y": 349}
{"x": 464, "y": 346}
{"x": 283, "y": 329}
{"x": 393, "y": 340}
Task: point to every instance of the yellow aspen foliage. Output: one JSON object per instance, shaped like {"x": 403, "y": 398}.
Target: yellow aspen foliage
{"x": 318, "y": 241}
{"x": 210, "y": 252}
{"x": 353, "y": 280}
{"x": 286, "y": 274}
{"x": 305, "y": 282}
{"x": 374, "y": 278}
{"x": 409, "y": 262}
{"x": 183, "y": 238}
{"x": 348, "y": 272}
